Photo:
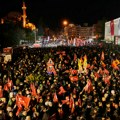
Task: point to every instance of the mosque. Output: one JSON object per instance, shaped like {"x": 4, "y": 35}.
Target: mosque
{"x": 20, "y": 17}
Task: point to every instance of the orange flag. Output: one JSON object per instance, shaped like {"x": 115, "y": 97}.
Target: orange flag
{"x": 102, "y": 56}
{"x": 62, "y": 91}
{"x": 33, "y": 92}
{"x": 1, "y": 92}
{"x": 114, "y": 65}
{"x": 73, "y": 78}
{"x": 55, "y": 98}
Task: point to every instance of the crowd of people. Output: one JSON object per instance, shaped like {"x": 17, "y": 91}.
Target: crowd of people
{"x": 84, "y": 86}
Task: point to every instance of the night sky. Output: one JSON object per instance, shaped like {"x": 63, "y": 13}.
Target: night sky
{"x": 52, "y": 12}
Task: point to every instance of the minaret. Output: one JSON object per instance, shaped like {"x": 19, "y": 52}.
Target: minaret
{"x": 24, "y": 14}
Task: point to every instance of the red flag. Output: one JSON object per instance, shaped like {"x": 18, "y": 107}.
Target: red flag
{"x": 8, "y": 85}
{"x": 55, "y": 98}
{"x": 62, "y": 91}
{"x": 72, "y": 104}
{"x": 73, "y": 71}
{"x": 96, "y": 75}
{"x": 73, "y": 78}
{"x": 88, "y": 88}
{"x": 105, "y": 71}
{"x": 112, "y": 27}
{"x": 1, "y": 92}
{"x": 21, "y": 101}
{"x": 91, "y": 67}
{"x": 19, "y": 110}
{"x": 33, "y": 92}
{"x": 102, "y": 56}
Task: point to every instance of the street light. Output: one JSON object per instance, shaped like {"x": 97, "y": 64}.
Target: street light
{"x": 65, "y": 22}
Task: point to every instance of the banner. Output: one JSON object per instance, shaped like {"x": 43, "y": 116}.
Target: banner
{"x": 112, "y": 27}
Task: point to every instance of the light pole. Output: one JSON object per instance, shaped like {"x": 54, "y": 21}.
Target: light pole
{"x": 65, "y": 23}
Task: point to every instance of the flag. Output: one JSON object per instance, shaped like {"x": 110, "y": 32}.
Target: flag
{"x": 103, "y": 64}
{"x": 91, "y": 67}
{"x": 105, "y": 71}
{"x": 21, "y": 101}
{"x": 114, "y": 65}
{"x": 88, "y": 88}
{"x": 8, "y": 85}
{"x": 73, "y": 78}
{"x": 33, "y": 89}
{"x": 85, "y": 62}
{"x": 96, "y": 75}
{"x": 73, "y": 71}
{"x": 80, "y": 64}
{"x": 19, "y": 110}
{"x": 72, "y": 104}
{"x": 106, "y": 79}
{"x": 62, "y": 91}
{"x": 102, "y": 56}
{"x": 50, "y": 67}
{"x": 55, "y": 98}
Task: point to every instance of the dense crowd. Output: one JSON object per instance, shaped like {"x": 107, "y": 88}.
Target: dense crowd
{"x": 83, "y": 88}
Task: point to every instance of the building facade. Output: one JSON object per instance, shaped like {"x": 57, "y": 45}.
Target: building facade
{"x": 73, "y": 30}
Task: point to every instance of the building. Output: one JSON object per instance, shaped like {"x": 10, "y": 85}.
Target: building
{"x": 73, "y": 30}
{"x": 112, "y": 31}
{"x": 86, "y": 32}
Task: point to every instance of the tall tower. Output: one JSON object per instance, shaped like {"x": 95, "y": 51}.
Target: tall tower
{"x": 24, "y": 14}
